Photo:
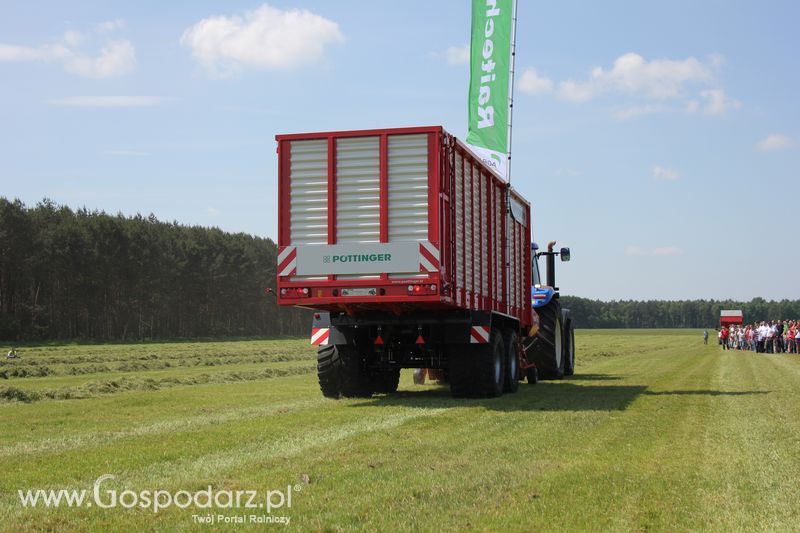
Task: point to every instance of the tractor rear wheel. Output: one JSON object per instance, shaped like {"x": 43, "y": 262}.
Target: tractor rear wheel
{"x": 548, "y": 350}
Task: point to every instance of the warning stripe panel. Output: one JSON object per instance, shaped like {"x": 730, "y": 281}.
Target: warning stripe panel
{"x": 320, "y": 336}
{"x": 428, "y": 257}
{"x": 479, "y": 335}
{"x": 287, "y": 261}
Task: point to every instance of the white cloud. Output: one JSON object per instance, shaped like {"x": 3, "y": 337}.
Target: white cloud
{"x": 668, "y": 251}
{"x": 663, "y": 251}
{"x": 530, "y": 82}
{"x": 656, "y": 79}
{"x": 116, "y": 57}
{"x": 457, "y": 55}
{"x": 651, "y": 83}
{"x": 109, "y": 26}
{"x": 213, "y": 211}
{"x": 718, "y": 103}
{"x": 665, "y": 174}
{"x": 576, "y": 92}
{"x": 266, "y": 38}
{"x": 110, "y": 101}
{"x": 774, "y": 142}
{"x": 10, "y": 52}
{"x": 635, "y": 250}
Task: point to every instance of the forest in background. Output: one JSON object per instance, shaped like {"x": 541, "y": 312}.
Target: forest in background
{"x": 672, "y": 314}
{"x": 87, "y": 275}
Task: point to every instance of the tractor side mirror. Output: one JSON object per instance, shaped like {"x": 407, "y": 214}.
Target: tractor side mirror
{"x": 565, "y": 254}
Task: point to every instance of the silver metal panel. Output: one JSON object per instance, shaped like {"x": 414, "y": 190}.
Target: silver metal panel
{"x": 408, "y": 190}
{"x": 357, "y": 190}
{"x": 308, "y": 176}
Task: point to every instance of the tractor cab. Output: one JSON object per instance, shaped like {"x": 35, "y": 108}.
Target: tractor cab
{"x": 542, "y": 292}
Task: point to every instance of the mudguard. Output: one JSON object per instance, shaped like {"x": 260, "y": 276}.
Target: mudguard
{"x": 541, "y": 296}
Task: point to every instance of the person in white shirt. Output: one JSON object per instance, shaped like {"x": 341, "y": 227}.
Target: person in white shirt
{"x": 761, "y": 337}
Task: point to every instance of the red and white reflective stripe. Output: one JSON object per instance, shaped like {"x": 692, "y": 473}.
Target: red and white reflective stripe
{"x": 319, "y": 336}
{"x": 479, "y": 335}
{"x": 428, "y": 257}
{"x": 287, "y": 261}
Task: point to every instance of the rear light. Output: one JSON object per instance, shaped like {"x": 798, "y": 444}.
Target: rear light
{"x": 296, "y": 292}
{"x": 416, "y": 289}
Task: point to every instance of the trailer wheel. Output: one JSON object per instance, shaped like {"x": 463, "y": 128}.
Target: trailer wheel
{"x": 489, "y": 370}
{"x": 461, "y": 358}
{"x": 478, "y": 370}
{"x": 328, "y": 364}
{"x": 569, "y": 346}
{"x": 548, "y": 350}
{"x": 386, "y": 381}
{"x": 512, "y": 363}
{"x": 341, "y": 373}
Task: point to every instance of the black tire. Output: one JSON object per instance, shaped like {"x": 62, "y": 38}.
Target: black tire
{"x": 478, "y": 370}
{"x": 548, "y": 350}
{"x": 328, "y": 364}
{"x": 569, "y": 346}
{"x": 461, "y": 359}
{"x": 386, "y": 381}
{"x": 341, "y": 372}
{"x": 511, "y": 383}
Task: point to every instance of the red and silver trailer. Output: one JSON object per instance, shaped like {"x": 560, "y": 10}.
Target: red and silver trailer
{"x": 731, "y": 317}
{"x": 414, "y": 254}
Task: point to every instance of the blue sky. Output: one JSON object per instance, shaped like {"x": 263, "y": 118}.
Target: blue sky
{"x": 660, "y": 140}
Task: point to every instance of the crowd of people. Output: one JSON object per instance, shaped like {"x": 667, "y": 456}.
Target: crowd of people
{"x": 776, "y": 336}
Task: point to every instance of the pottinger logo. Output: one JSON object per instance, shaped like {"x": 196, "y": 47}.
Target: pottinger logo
{"x": 357, "y": 258}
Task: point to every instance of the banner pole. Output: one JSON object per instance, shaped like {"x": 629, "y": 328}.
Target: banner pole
{"x": 508, "y": 161}
{"x": 511, "y": 84}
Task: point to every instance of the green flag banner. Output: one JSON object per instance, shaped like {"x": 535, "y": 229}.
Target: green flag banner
{"x": 490, "y": 53}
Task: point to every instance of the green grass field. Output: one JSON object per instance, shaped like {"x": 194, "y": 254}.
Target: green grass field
{"x": 655, "y": 431}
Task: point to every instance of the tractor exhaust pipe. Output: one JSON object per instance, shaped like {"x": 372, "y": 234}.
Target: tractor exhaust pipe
{"x": 551, "y": 265}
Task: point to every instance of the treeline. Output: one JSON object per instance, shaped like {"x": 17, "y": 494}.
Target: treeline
{"x": 87, "y": 275}
{"x": 672, "y": 314}
{"x": 82, "y": 274}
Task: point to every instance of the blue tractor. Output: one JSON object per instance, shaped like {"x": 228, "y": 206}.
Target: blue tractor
{"x": 552, "y": 349}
